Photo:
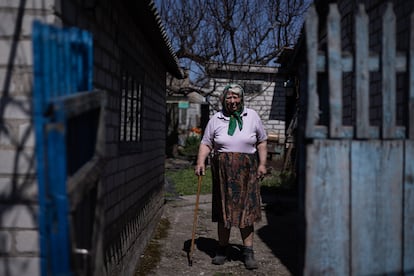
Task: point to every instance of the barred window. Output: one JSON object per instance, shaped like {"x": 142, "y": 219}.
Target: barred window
{"x": 131, "y": 109}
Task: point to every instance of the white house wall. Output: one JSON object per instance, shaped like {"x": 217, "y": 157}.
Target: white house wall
{"x": 261, "y": 102}
{"x": 19, "y": 238}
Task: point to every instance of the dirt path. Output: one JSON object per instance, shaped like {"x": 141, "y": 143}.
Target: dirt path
{"x": 276, "y": 243}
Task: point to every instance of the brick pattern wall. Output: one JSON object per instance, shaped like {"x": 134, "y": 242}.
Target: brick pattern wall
{"x": 132, "y": 187}
{"x": 133, "y": 182}
{"x": 19, "y": 238}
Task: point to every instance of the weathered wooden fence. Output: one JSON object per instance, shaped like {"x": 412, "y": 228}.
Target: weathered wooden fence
{"x": 359, "y": 179}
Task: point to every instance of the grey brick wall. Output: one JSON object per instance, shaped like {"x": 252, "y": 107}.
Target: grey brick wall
{"x": 19, "y": 240}
{"x": 132, "y": 184}
{"x": 133, "y": 181}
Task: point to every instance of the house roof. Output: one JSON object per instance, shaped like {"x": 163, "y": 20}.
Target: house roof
{"x": 154, "y": 29}
{"x": 251, "y": 68}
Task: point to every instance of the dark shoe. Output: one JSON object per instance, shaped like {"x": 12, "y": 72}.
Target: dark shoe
{"x": 248, "y": 257}
{"x": 221, "y": 256}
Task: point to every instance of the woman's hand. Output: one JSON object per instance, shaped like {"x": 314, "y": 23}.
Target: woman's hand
{"x": 203, "y": 152}
{"x": 262, "y": 150}
{"x": 200, "y": 169}
{"x": 261, "y": 171}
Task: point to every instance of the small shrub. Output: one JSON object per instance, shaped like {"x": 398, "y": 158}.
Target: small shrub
{"x": 191, "y": 145}
{"x": 282, "y": 182}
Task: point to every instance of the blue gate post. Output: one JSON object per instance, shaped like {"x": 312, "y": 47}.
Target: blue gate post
{"x": 63, "y": 64}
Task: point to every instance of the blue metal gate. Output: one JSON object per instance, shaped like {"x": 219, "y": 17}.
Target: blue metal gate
{"x": 66, "y": 128}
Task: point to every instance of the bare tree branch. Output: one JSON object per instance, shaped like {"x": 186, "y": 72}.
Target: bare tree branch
{"x": 230, "y": 31}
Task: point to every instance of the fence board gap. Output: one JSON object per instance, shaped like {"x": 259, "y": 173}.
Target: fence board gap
{"x": 311, "y": 25}
{"x": 411, "y": 81}
{"x": 408, "y": 263}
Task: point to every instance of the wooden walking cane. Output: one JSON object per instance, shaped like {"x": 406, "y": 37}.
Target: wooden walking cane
{"x": 190, "y": 257}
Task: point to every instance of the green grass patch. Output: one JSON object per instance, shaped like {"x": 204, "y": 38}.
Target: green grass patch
{"x": 186, "y": 182}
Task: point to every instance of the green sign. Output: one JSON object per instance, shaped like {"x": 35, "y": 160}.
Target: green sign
{"x": 183, "y": 104}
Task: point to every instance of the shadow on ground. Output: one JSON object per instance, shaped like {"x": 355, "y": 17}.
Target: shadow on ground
{"x": 208, "y": 246}
{"x": 281, "y": 234}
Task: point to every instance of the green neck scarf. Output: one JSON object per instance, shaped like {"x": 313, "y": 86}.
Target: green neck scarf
{"x": 235, "y": 118}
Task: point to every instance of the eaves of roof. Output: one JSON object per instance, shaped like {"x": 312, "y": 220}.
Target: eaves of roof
{"x": 149, "y": 18}
{"x": 251, "y": 68}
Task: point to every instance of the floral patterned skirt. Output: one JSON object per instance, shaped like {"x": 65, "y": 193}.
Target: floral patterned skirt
{"x": 236, "y": 190}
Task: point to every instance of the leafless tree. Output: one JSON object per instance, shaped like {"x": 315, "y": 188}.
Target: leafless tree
{"x": 230, "y": 31}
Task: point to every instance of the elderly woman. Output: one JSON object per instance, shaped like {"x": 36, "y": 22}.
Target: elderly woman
{"x": 237, "y": 139}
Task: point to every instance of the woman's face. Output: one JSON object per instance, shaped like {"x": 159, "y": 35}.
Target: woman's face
{"x": 233, "y": 101}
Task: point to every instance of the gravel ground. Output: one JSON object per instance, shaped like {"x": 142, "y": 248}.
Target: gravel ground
{"x": 275, "y": 246}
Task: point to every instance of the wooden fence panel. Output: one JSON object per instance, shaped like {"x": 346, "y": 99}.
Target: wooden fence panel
{"x": 327, "y": 212}
{"x": 409, "y": 207}
{"x": 376, "y": 196}
{"x": 359, "y": 186}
